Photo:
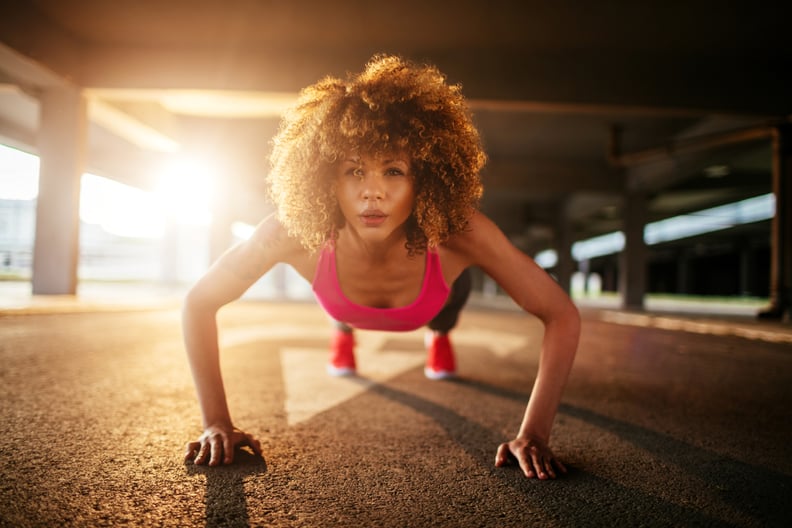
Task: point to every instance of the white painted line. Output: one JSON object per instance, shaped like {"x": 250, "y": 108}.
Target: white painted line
{"x": 310, "y": 390}
{"x": 696, "y": 327}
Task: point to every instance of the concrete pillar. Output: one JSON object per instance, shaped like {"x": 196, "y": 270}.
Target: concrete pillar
{"x": 781, "y": 234}
{"x": 61, "y": 146}
{"x": 584, "y": 267}
{"x": 632, "y": 273}
{"x": 566, "y": 264}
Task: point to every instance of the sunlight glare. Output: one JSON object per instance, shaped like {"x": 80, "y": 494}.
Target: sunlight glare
{"x": 183, "y": 195}
{"x": 184, "y": 192}
{"x": 119, "y": 209}
{"x": 242, "y": 230}
{"x": 18, "y": 174}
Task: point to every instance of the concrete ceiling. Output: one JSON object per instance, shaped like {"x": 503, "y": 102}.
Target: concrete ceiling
{"x": 547, "y": 81}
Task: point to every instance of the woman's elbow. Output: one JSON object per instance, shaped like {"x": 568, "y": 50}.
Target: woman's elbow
{"x": 571, "y": 313}
{"x": 199, "y": 300}
{"x": 565, "y": 316}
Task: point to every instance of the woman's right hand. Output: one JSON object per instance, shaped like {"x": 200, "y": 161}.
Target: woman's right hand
{"x": 217, "y": 444}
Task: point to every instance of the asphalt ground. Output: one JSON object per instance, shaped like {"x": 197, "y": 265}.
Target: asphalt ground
{"x": 666, "y": 421}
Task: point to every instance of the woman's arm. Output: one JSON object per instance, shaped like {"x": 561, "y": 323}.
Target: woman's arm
{"x": 537, "y": 293}
{"x": 227, "y": 279}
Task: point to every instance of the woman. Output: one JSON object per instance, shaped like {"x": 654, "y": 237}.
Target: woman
{"x": 376, "y": 184}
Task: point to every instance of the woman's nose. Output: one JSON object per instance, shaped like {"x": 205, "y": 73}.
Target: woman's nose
{"x": 372, "y": 189}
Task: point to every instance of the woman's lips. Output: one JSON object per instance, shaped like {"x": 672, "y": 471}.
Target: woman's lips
{"x": 372, "y": 217}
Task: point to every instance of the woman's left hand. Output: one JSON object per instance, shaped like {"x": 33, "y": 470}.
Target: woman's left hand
{"x": 535, "y": 458}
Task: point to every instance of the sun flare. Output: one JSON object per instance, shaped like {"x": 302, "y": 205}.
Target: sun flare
{"x": 184, "y": 192}
{"x": 183, "y": 195}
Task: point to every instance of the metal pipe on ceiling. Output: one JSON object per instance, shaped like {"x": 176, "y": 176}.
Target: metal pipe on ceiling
{"x": 683, "y": 145}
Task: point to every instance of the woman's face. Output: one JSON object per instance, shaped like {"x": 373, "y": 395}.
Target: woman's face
{"x": 375, "y": 195}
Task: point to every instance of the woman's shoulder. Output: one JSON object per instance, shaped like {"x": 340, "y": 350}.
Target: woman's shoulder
{"x": 272, "y": 241}
{"x": 271, "y": 234}
{"x": 479, "y": 231}
{"x": 467, "y": 247}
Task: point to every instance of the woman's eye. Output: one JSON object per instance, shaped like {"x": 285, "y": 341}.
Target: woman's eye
{"x": 395, "y": 172}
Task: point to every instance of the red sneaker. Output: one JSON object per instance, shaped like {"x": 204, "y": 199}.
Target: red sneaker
{"x": 440, "y": 363}
{"x": 342, "y": 354}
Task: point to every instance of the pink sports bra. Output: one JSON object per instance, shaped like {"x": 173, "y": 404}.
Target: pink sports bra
{"x": 431, "y": 299}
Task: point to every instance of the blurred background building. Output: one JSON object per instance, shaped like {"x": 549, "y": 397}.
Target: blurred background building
{"x": 635, "y": 149}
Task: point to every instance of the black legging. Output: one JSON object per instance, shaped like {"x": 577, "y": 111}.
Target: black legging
{"x": 447, "y": 318}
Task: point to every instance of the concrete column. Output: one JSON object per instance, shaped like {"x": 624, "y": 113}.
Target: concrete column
{"x": 566, "y": 264}
{"x": 781, "y": 249}
{"x": 632, "y": 273}
{"x": 61, "y": 146}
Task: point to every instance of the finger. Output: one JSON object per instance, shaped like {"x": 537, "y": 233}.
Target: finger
{"x": 228, "y": 448}
{"x": 190, "y": 450}
{"x": 203, "y": 453}
{"x": 252, "y": 442}
{"x": 536, "y": 460}
{"x": 502, "y": 457}
{"x": 525, "y": 463}
{"x": 549, "y": 467}
{"x": 217, "y": 449}
{"x": 560, "y": 466}
{"x": 255, "y": 445}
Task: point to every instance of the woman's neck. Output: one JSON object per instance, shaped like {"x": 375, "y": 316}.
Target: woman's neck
{"x": 387, "y": 249}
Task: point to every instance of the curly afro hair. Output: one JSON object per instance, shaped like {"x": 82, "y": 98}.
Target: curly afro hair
{"x": 392, "y": 106}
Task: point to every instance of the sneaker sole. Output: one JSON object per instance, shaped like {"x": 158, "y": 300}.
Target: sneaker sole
{"x": 340, "y": 372}
{"x": 438, "y": 374}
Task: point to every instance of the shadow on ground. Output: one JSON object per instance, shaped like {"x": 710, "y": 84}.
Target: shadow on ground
{"x": 582, "y": 498}
{"x": 225, "y": 500}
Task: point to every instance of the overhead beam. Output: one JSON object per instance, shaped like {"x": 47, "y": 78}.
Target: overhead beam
{"x": 679, "y": 83}
{"x": 33, "y": 50}
{"x": 507, "y": 57}
{"x": 129, "y": 128}
{"x": 29, "y": 75}
{"x": 688, "y": 145}
{"x": 14, "y": 135}
{"x": 539, "y": 178}
{"x": 626, "y": 78}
